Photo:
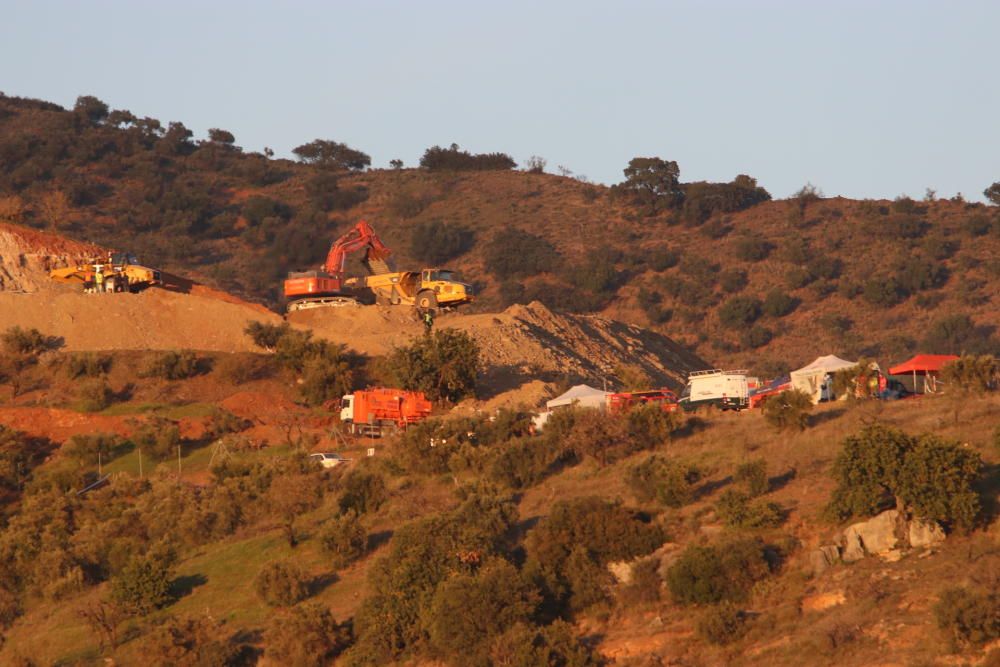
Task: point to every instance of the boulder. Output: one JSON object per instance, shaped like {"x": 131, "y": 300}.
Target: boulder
{"x": 822, "y": 558}
{"x": 925, "y": 533}
{"x": 878, "y": 535}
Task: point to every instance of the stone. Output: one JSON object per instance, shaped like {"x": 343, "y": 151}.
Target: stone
{"x": 878, "y": 535}
{"x": 621, "y": 570}
{"x": 852, "y": 551}
{"x": 822, "y": 558}
{"x": 925, "y": 533}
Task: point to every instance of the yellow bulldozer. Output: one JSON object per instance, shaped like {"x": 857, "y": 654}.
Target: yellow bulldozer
{"x": 121, "y": 269}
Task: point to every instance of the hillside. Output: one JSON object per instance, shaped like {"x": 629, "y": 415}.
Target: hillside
{"x": 874, "y": 278}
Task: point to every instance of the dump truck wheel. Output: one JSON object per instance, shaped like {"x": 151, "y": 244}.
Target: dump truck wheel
{"x": 427, "y": 300}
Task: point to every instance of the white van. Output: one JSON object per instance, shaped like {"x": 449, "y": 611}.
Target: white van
{"x": 727, "y": 390}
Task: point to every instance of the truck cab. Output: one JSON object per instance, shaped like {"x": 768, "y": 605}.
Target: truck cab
{"x": 347, "y": 408}
{"x": 447, "y": 286}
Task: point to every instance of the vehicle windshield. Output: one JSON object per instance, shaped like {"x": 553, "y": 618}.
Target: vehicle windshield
{"x": 687, "y": 391}
{"x": 446, "y": 275}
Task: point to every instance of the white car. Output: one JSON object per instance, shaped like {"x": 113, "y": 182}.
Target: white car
{"x": 328, "y": 460}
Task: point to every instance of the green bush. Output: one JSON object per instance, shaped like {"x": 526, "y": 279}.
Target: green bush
{"x": 756, "y": 336}
{"x": 332, "y": 154}
{"x": 651, "y": 184}
{"x": 453, "y": 158}
{"x": 281, "y": 584}
{"x": 85, "y": 448}
{"x": 469, "y": 611}
{"x": 87, "y": 364}
{"x": 778, "y": 304}
{"x": 753, "y": 475}
{"x": 665, "y": 480}
{"x": 238, "y": 369}
{"x": 158, "y": 439}
{"x": 443, "y": 364}
{"x": 738, "y": 510}
{"x": 716, "y": 573}
{"x": 513, "y": 253}
{"x": 434, "y": 242}
{"x": 788, "y": 410}
{"x": 959, "y": 334}
{"x": 175, "y": 366}
{"x": 266, "y": 335}
{"x": 94, "y": 396}
{"x": 30, "y": 342}
{"x": 362, "y": 491}
{"x": 733, "y": 280}
{"x": 554, "y": 645}
{"x": 884, "y": 292}
{"x": 753, "y": 249}
{"x": 798, "y": 277}
{"x": 883, "y": 466}
{"x": 972, "y": 375}
{"x": 344, "y": 539}
{"x": 308, "y": 637}
{"x": 722, "y": 624}
{"x": 969, "y": 617}
{"x": 326, "y": 377}
{"x": 142, "y": 586}
{"x": 191, "y": 641}
{"x": 739, "y": 312}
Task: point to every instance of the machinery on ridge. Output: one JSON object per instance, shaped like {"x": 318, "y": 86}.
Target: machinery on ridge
{"x": 329, "y": 286}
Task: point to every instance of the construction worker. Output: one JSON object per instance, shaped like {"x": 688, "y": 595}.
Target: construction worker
{"x": 99, "y": 279}
{"x": 428, "y": 318}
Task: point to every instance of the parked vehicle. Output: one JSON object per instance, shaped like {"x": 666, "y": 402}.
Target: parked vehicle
{"x": 626, "y": 400}
{"x": 726, "y": 390}
{"x": 373, "y": 411}
{"x": 328, "y": 460}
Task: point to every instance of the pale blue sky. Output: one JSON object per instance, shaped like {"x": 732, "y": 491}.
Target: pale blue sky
{"x": 863, "y": 99}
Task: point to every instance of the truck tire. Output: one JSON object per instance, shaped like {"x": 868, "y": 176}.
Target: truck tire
{"x": 427, "y": 300}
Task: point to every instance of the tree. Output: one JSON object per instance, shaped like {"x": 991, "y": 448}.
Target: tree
{"x": 309, "y": 637}
{"x": 513, "y": 253}
{"x": 281, "y": 584}
{"x": 958, "y": 334}
{"x": 788, "y": 410}
{"x": 972, "y": 375}
{"x": 653, "y": 183}
{"x": 719, "y": 572}
{"x": 291, "y": 496}
{"x": 219, "y": 136}
{"x": 453, "y": 158}
{"x": 434, "y": 241}
{"x": 91, "y": 109}
{"x": 334, "y": 155}
{"x": 443, "y": 364}
{"x": 739, "y": 312}
{"x": 927, "y": 476}
{"x": 142, "y": 586}
{"x": 992, "y": 193}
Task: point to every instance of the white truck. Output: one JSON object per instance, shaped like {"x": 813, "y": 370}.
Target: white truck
{"x": 726, "y": 390}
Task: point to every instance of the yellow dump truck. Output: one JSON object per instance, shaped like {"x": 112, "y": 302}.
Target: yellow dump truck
{"x": 121, "y": 266}
{"x": 430, "y": 288}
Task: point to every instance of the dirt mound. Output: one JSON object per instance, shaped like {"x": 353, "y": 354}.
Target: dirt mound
{"x": 152, "y": 320}
{"x": 522, "y": 341}
{"x": 60, "y": 425}
{"x": 27, "y": 255}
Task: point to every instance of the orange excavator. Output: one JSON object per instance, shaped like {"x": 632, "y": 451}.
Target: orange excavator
{"x": 326, "y": 286}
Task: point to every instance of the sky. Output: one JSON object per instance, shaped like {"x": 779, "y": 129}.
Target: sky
{"x": 861, "y": 99}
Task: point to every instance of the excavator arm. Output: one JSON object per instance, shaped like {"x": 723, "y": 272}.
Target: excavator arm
{"x": 361, "y": 236}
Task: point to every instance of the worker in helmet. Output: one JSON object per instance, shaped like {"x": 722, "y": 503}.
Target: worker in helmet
{"x": 99, "y": 278}
{"x": 428, "y": 318}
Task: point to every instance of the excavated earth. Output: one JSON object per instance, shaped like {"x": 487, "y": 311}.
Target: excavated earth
{"x": 520, "y": 344}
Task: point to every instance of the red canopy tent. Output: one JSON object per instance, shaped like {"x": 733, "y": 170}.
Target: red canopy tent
{"x": 926, "y": 365}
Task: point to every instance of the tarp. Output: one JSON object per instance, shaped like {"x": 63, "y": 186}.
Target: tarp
{"x": 923, "y": 363}
{"x": 813, "y": 378}
{"x": 581, "y": 395}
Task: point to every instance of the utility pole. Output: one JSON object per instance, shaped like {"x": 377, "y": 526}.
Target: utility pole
{"x": 140, "y": 463}
{"x": 178, "y": 463}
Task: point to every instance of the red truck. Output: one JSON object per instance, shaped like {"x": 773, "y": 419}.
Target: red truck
{"x": 373, "y": 411}
{"x": 624, "y": 401}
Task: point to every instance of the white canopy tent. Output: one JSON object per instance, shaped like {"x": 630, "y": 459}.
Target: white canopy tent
{"x": 581, "y": 395}
{"x": 814, "y": 379}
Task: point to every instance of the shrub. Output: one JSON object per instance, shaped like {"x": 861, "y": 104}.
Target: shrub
{"x": 513, "y": 253}
{"x": 434, "y": 241}
{"x": 554, "y": 645}
{"x": 739, "y": 312}
{"x": 978, "y": 224}
{"x": 969, "y": 617}
{"x": 142, "y": 586}
{"x": 239, "y": 369}
{"x": 175, "y": 366}
{"x": 85, "y": 448}
{"x": 443, "y": 365}
{"x": 281, "y": 584}
{"x": 158, "y": 439}
{"x": 753, "y": 249}
{"x": 29, "y": 342}
{"x": 452, "y": 158}
{"x": 882, "y": 466}
{"x": 326, "y": 153}
{"x": 469, "y": 611}
{"x": 192, "y": 641}
{"x": 94, "y": 396}
{"x": 733, "y": 280}
{"x": 87, "y": 364}
{"x": 663, "y": 258}
{"x": 309, "y": 637}
{"x": 345, "y": 539}
{"x": 885, "y": 292}
{"x": 756, "y": 336}
{"x": 788, "y": 410}
{"x": 716, "y": 573}
{"x": 738, "y": 510}
{"x": 267, "y": 336}
{"x": 651, "y": 184}
{"x": 778, "y": 304}
{"x": 753, "y": 474}
{"x": 326, "y": 377}
{"x": 722, "y": 624}
{"x": 798, "y": 277}
{"x": 958, "y": 334}
{"x": 664, "y": 480}
{"x": 362, "y": 492}
{"x": 972, "y": 375}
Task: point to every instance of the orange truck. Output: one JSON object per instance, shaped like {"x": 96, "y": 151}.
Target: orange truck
{"x": 373, "y": 411}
